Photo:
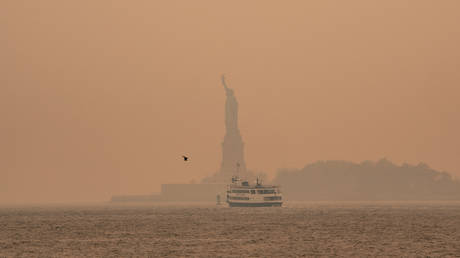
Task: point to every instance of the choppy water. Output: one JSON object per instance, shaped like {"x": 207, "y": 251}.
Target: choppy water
{"x": 299, "y": 229}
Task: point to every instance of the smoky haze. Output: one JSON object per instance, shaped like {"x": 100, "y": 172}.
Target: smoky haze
{"x": 103, "y": 97}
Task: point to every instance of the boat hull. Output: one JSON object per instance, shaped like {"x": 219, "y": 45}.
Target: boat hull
{"x": 255, "y": 204}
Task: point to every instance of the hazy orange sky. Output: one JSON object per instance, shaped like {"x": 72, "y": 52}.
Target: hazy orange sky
{"x": 103, "y": 97}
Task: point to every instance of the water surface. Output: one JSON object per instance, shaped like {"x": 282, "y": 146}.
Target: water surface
{"x": 298, "y": 229}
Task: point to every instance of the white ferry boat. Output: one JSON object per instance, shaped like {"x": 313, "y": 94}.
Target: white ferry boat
{"x": 242, "y": 194}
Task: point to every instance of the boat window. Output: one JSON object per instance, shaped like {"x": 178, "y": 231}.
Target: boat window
{"x": 238, "y": 198}
{"x": 240, "y": 191}
{"x": 269, "y": 191}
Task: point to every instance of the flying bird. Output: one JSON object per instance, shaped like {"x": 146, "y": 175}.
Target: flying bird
{"x": 185, "y": 158}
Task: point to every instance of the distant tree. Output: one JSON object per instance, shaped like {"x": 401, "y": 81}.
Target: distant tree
{"x": 381, "y": 180}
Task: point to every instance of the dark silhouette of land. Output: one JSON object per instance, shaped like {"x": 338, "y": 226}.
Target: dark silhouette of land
{"x": 367, "y": 181}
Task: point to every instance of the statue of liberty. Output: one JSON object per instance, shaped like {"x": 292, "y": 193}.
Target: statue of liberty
{"x": 231, "y": 109}
{"x": 232, "y": 146}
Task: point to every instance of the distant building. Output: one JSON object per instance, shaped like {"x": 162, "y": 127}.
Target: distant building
{"x": 192, "y": 192}
{"x": 178, "y": 193}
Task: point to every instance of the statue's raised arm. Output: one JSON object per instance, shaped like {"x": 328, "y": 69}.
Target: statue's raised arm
{"x": 223, "y": 81}
{"x": 227, "y": 89}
